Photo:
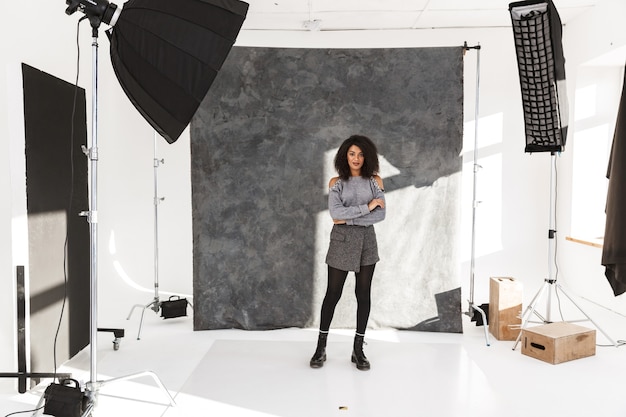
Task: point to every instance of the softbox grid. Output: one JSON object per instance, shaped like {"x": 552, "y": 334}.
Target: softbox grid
{"x": 538, "y": 80}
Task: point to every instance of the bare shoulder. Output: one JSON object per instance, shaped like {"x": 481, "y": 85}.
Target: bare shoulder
{"x": 333, "y": 181}
{"x": 379, "y": 180}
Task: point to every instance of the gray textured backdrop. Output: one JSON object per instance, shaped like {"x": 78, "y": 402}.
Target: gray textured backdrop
{"x": 262, "y": 144}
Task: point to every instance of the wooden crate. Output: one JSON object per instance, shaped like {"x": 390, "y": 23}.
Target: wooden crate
{"x": 558, "y": 342}
{"x": 505, "y": 308}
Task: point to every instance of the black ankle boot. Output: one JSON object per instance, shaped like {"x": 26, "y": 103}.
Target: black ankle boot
{"x": 358, "y": 357}
{"x": 319, "y": 357}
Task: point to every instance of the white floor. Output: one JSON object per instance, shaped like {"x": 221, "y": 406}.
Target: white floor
{"x": 266, "y": 373}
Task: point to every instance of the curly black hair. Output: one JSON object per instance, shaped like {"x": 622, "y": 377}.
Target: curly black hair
{"x": 370, "y": 164}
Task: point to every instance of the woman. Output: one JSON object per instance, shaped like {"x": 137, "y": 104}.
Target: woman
{"x": 356, "y": 201}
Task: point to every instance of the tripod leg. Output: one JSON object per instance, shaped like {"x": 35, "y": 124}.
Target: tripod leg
{"x": 586, "y": 315}
{"x": 141, "y": 323}
{"x": 141, "y": 374}
{"x": 155, "y": 304}
{"x": 485, "y": 325}
{"x": 530, "y": 310}
{"x": 133, "y": 309}
{"x": 88, "y": 409}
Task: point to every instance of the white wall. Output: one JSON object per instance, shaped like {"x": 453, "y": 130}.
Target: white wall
{"x": 512, "y": 220}
{"x": 597, "y": 35}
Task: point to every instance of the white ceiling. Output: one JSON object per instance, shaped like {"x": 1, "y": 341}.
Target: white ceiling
{"x": 328, "y": 15}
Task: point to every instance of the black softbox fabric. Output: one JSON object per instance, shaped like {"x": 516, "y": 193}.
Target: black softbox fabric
{"x": 537, "y": 32}
{"x": 614, "y": 248}
{"x": 166, "y": 54}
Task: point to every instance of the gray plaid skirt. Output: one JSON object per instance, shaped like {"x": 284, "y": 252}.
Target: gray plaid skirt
{"x": 352, "y": 246}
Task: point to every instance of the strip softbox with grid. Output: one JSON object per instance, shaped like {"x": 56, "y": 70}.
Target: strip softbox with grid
{"x": 537, "y": 32}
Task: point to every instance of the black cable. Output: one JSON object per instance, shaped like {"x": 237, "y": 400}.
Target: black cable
{"x": 556, "y": 200}
{"x": 25, "y": 411}
{"x": 556, "y": 264}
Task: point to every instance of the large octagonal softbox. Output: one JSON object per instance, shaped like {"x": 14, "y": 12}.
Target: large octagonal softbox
{"x": 166, "y": 54}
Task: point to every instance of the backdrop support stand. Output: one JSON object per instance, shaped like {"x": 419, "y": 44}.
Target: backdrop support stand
{"x": 473, "y": 308}
{"x": 155, "y": 304}
{"x": 551, "y": 285}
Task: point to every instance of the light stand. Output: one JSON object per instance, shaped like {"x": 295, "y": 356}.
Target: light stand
{"x": 472, "y": 308}
{"x": 537, "y": 33}
{"x": 551, "y": 285}
{"x": 165, "y": 56}
{"x": 93, "y": 386}
{"x": 155, "y": 304}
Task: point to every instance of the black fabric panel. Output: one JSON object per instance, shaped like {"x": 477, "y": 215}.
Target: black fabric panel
{"x": 614, "y": 247}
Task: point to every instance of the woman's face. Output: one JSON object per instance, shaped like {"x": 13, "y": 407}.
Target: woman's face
{"x": 355, "y": 158}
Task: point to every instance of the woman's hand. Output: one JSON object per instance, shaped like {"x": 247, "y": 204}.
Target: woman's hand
{"x": 377, "y": 202}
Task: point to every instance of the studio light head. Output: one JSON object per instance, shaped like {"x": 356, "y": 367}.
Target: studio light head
{"x": 537, "y": 33}
{"x": 97, "y": 11}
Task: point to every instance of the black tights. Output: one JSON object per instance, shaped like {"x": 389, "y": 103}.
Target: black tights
{"x": 336, "y": 279}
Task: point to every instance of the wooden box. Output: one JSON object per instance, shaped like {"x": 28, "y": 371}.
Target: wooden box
{"x": 505, "y": 308}
{"x": 558, "y": 342}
